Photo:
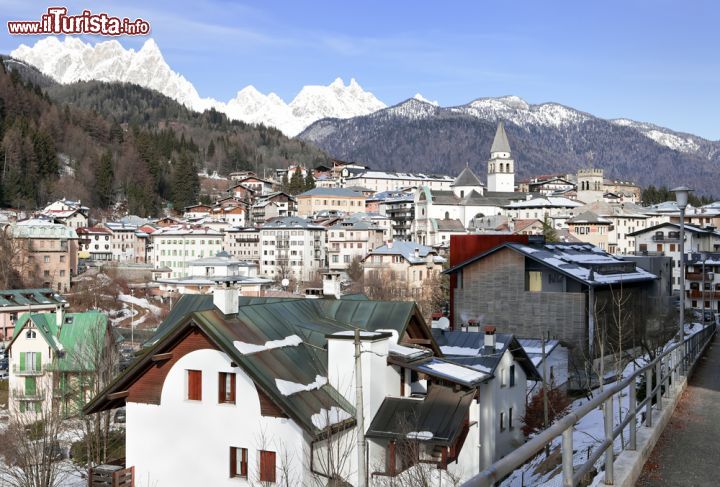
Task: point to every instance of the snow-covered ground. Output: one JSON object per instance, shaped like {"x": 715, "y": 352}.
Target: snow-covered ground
{"x": 141, "y": 302}
{"x": 589, "y": 432}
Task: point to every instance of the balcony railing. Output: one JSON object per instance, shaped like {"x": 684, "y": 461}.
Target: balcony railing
{"x": 698, "y": 276}
{"x": 27, "y": 396}
{"x": 28, "y": 371}
{"x": 707, "y": 295}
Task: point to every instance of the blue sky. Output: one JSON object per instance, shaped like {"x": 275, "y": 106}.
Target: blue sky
{"x": 650, "y": 60}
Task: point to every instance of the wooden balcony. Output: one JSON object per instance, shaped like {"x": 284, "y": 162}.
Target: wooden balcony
{"x": 111, "y": 476}
{"x": 707, "y": 296}
{"x": 698, "y": 276}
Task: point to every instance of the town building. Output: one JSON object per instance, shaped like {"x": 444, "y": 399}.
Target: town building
{"x": 174, "y": 247}
{"x": 273, "y": 205}
{"x": 664, "y": 239}
{"x": 566, "y": 291}
{"x": 344, "y": 200}
{"x": 351, "y": 238}
{"x": 702, "y": 281}
{"x": 399, "y": 207}
{"x": 94, "y": 244}
{"x": 243, "y": 243}
{"x": 207, "y": 272}
{"x": 403, "y": 266}
{"x": 292, "y": 248}
{"x": 380, "y": 181}
{"x": 591, "y": 228}
{"x": 540, "y": 207}
{"x": 251, "y": 396}
{"x": 52, "y": 358}
{"x": 128, "y": 242}
{"x": 258, "y": 185}
{"x": 46, "y": 253}
{"x": 15, "y": 302}
{"x": 67, "y": 212}
{"x": 625, "y": 219}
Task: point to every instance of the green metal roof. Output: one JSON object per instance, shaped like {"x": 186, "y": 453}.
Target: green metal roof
{"x": 260, "y": 320}
{"x": 30, "y": 297}
{"x": 76, "y": 329}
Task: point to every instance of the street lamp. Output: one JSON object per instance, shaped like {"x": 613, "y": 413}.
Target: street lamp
{"x": 681, "y": 196}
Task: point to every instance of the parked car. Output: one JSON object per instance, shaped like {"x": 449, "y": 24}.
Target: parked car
{"x": 4, "y": 375}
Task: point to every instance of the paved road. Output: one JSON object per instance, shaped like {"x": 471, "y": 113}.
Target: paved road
{"x": 688, "y": 452}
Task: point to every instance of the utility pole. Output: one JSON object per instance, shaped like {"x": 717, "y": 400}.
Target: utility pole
{"x": 703, "y": 293}
{"x": 359, "y": 416}
{"x": 132, "y": 319}
{"x": 544, "y": 389}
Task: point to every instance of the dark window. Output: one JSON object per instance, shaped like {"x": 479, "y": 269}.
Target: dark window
{"x": 510, "y": 424}
{"x": 512, "y": 375}
{"x": 238, "y": 462}
{"x": 502, "y": 421}
{"x": 267, "y": 466}
{"x": 194, "y": 385}
{"x": 226, "y": 387}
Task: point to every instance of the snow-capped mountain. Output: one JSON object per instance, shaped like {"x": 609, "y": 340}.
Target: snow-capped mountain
{"x": 72, "y": 60}
{"x": 546, "y": 138}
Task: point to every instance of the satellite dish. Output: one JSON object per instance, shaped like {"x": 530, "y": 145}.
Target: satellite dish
{"x": 285, "y": 282}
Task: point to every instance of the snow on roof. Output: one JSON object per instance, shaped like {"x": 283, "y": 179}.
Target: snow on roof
{"x": 420, "y": 435}
{"x": 329, "y": 417}
{"x": 544, "y": 202}
{"x": 457, "y": 372}
{"x": 401, "y": 175}
{"x": 288, "y": 388}
{"x": 248, "y": 348}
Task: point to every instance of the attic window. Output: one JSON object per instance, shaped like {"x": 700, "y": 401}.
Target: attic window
{"x": 68, "y": 320}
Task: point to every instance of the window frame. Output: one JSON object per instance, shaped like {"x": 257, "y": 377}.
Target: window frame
{"x": 243, "y": 474}
{"x": 223, "y": 396}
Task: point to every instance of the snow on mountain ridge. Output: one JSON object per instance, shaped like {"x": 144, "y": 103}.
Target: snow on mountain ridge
{"x": 72, "y": 60}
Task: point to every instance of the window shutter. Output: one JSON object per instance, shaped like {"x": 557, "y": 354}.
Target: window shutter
{"x": 267, "y": 466}
{"x": 194, "y": 385}
{"x": 232, "y": 388}
{"x": 233, "y": 461}
{"x": 38, "y": 358}
{"x": 30, "y": 386}
{"x": 244, "y": 464}
{"x": 22, "y": 361}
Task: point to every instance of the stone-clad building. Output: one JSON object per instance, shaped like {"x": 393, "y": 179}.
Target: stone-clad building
{"x": 564, "y": 290}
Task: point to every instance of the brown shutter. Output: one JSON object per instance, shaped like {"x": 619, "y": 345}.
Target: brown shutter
{"x": 221, "y": 387}
{"x": 243, "y": 465}
{"x": 232, "y": 388}
{"x": 233, "y": 462}
{"x": 267, "y": 466}
{"x": 195, "y": 385}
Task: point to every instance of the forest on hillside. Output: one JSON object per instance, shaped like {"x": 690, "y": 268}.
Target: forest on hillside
{"x": 108, "y": 142}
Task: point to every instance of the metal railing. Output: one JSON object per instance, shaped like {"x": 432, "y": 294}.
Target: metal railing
{"x": 668, "y": 367}
{"x": 28, "y": 370}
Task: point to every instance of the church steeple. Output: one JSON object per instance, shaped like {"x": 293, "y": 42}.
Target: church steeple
{"x": 500, "y": 142}
{"x": 501, "y": 167}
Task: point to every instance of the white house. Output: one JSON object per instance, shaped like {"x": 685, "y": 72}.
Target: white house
{"x": 68, "y": 212}
{"x": 350, "y": 238}
{"x": 175, "y": 246}
{"x": 261, "y": 390}
{"x": 292, "y": 248}
{"x": 242, "y": 243}
{"x": 205, "y": 272}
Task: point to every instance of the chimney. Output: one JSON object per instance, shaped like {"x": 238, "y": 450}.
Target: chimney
{"x": 226, "y": 298}
{"x": 417, "y": 253}
{"x": 389, "y": 244}
{"x": 490, "y": 337}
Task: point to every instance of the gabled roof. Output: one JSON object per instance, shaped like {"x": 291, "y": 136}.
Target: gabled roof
{"x": 468, "y": 348}
{"x": 335, "y": 192}
{"x": 589, "y": 217}
{"x": 76, "y": 329}
{"x": 688, "y": 228}
{"x": 302, "y": 325}
{"x": 585, "y": 263}
{"x": 467, "y": 178}
{"x": 500, "y": 142}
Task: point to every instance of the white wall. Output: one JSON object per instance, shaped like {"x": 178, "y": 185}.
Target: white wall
{"x": 200, "y": 433}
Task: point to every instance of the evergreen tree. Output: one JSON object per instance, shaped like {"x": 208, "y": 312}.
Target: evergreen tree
{"x": 45, "y": 154}
{"x": 285, "y": 184}
{"x": 185, "y": 183}
{"x": 309, "y": 181}
{"x": 296, "y": 183}
{"x": 104, "y": 180}
{"x": 549, "y": 232}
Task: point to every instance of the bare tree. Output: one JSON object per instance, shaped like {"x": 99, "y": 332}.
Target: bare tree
{"x": 17, "y": 268}
{"x": 90, "y": 366}
{"x": 31, "y": 447}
